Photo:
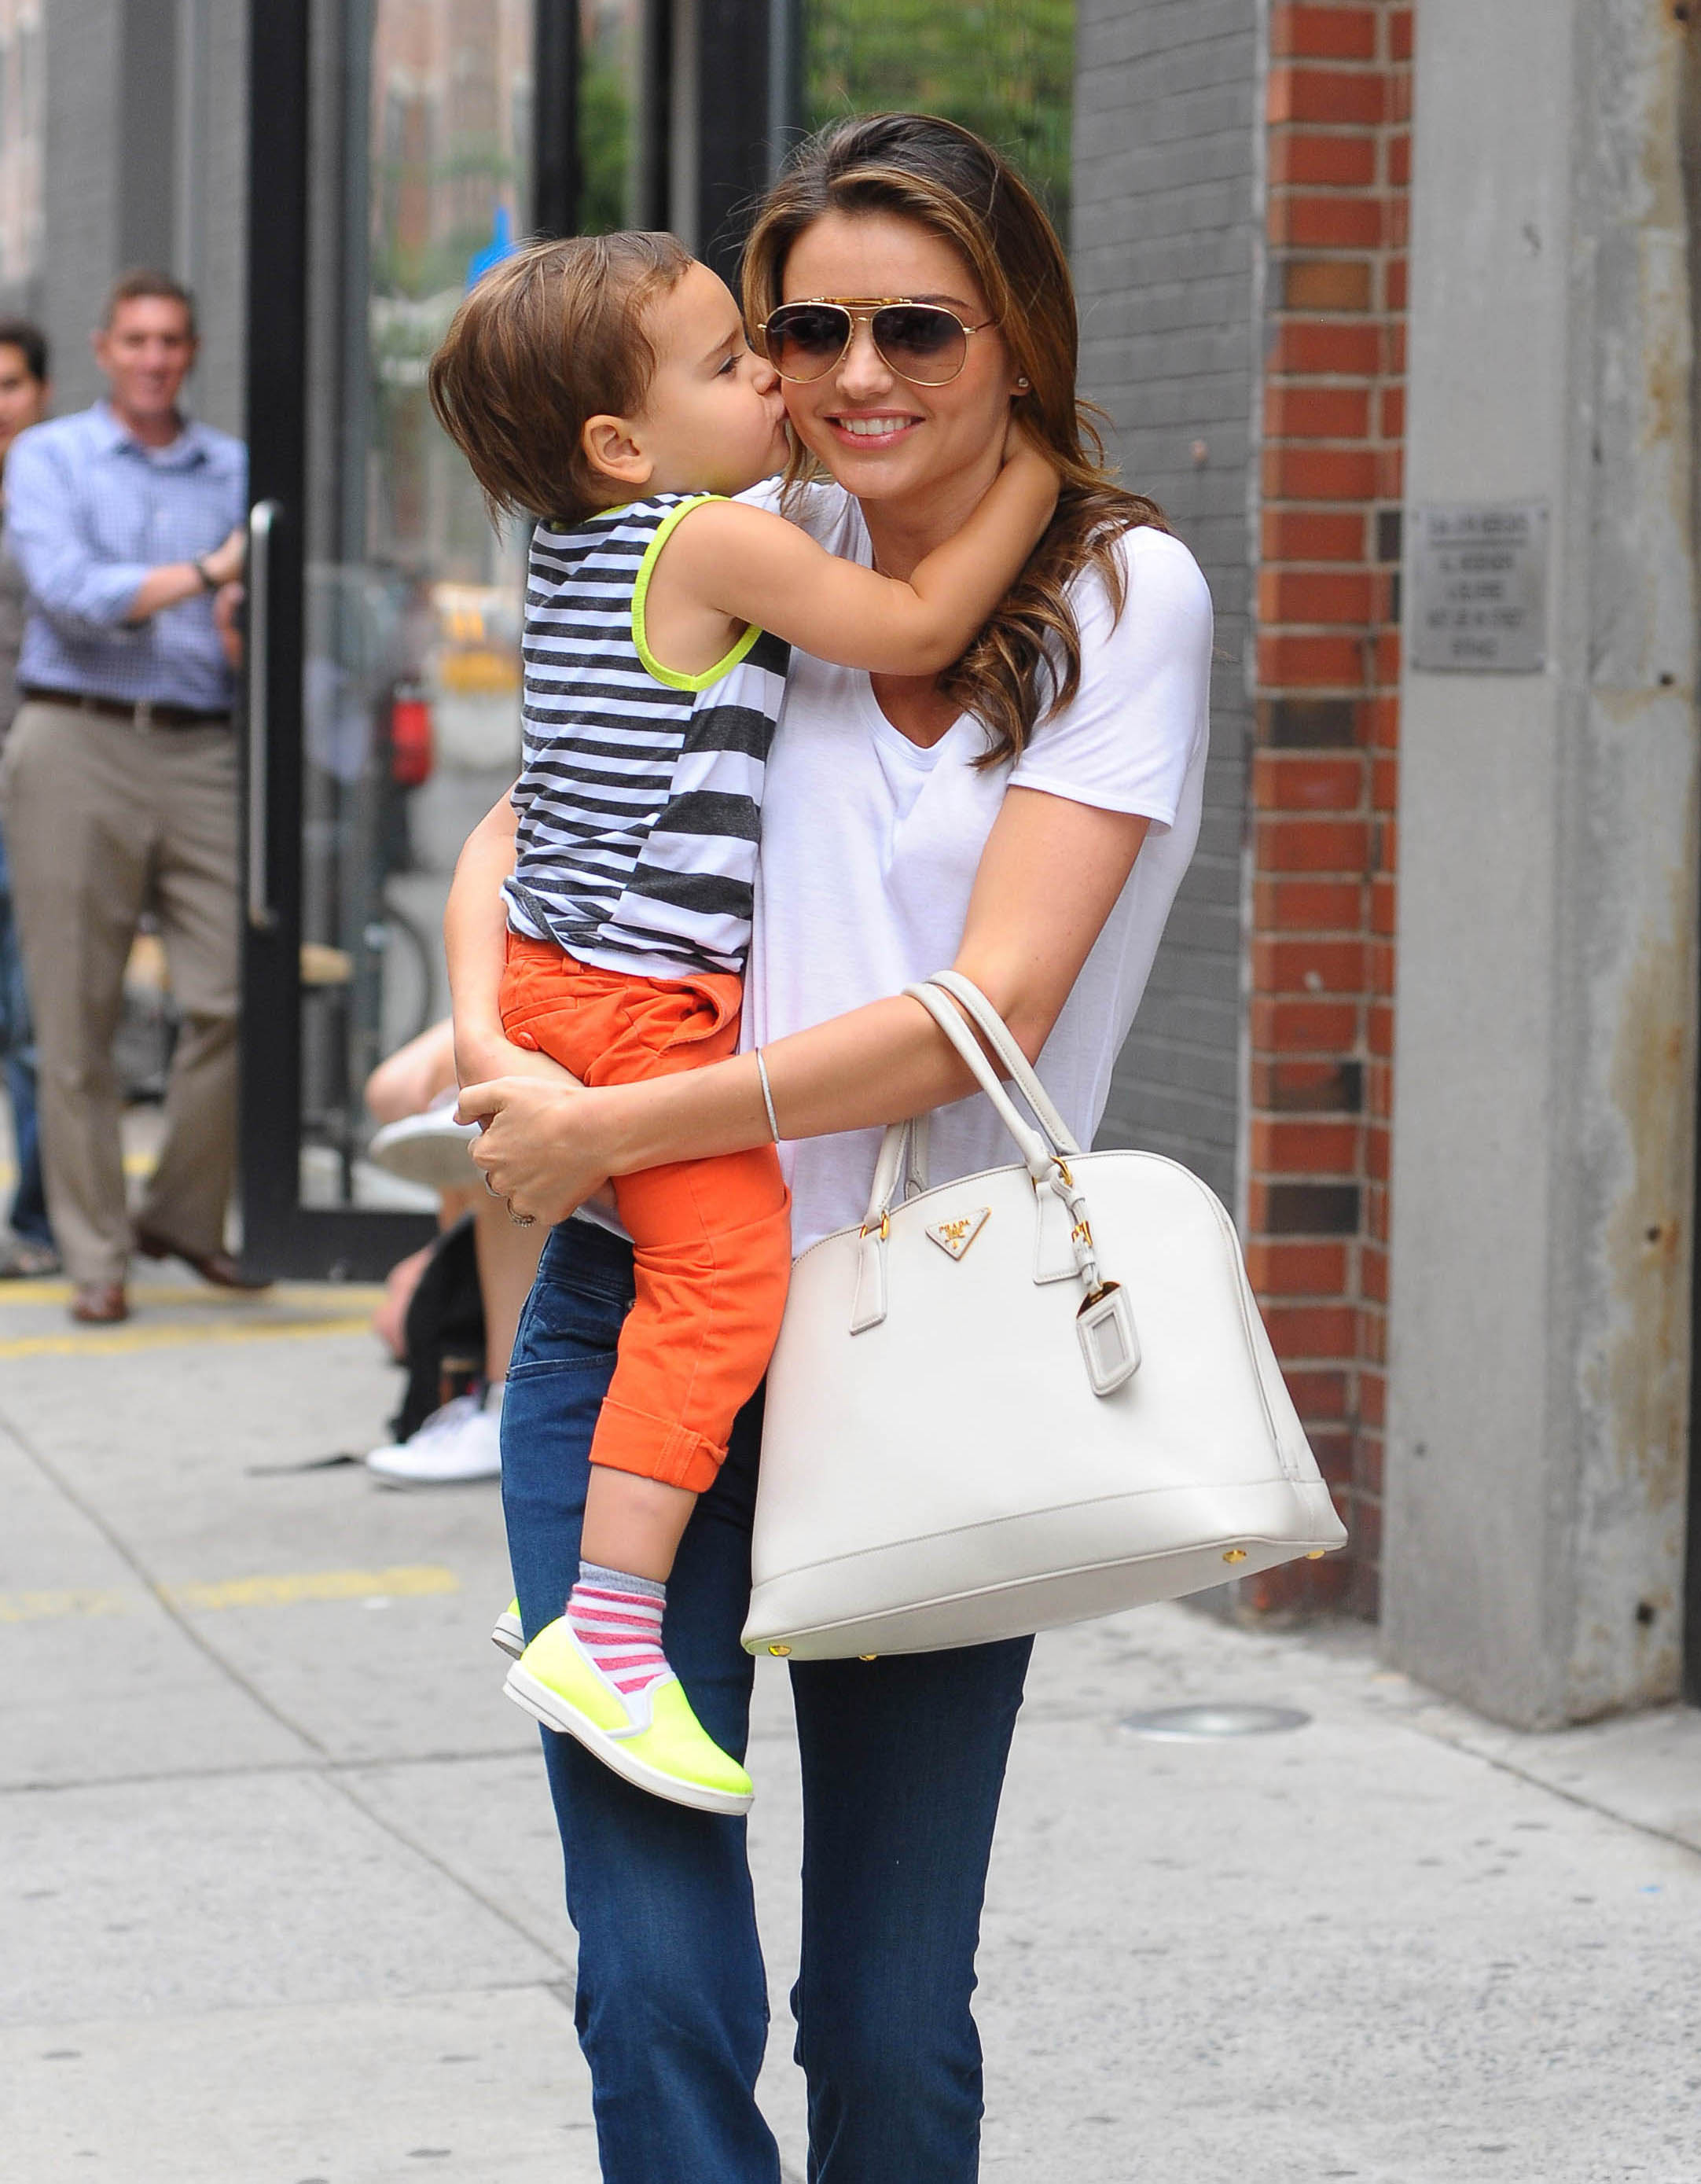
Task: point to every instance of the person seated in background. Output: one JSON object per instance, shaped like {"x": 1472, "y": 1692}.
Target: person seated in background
{"x": 413, "y": 1093}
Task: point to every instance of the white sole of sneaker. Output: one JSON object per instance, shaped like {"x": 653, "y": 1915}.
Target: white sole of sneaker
{"x": 553, "y": 1711}
{"x": 508, "y": 1636}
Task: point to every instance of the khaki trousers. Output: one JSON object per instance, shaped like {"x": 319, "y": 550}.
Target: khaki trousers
{"x": 104, "y": 821}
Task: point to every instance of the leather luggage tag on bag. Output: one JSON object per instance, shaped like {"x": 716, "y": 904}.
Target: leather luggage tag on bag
{"x": 953, "y": 1237}
{"x": 1108, "y": 1340}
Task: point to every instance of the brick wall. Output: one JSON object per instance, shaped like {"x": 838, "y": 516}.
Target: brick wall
{"x": 1165, "y": 249}
{"x": 1321, "y": 1027}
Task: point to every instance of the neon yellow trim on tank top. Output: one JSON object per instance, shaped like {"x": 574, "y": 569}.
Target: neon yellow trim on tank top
{"x": 672, "y": 676}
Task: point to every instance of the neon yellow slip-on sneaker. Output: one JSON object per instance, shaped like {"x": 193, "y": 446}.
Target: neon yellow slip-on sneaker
{"x": 509, "y": 1634}
{"x": 652, "y": 1738}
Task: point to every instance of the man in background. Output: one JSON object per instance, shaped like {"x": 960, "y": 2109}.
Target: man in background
{"x": 119, "y": 786}
{"x": 26, "y": 1245}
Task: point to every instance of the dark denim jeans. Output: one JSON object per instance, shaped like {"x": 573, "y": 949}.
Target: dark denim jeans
{"x": 29, "y": 1213}
{"x": 903, "y": 1763}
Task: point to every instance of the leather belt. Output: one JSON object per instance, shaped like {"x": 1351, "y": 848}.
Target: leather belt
{"x": 145, "y": 713}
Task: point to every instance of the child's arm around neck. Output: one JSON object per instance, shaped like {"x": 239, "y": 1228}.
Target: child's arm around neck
{"x": 726, "y": 565}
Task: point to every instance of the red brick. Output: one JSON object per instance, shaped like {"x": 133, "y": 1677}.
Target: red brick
{"x": 1380, "y": 1030}
{"x": 1400, "y": 34}
{"x": 1398, "y": 102}
{"x": 1318, "y": 1395}
{"x": 1385, "y": 783}
{"x": 1380, "y": 967}
{"x": 1312, "y": 845}
{"x": 1312, "y": 1330}
{"x": 1283, "y": 1146}
{"x": 1316, "y": 413}
{"x": 1323, "y": 34}
{"x": 1307, "y": 905}
{"x": 1376, "y": 1221}
{"x": 1376, "y": 1150}
{"x": 1309, "y": 663}
{"x": 1385, "y": 843}
{"x": 1336, "y": 1456}
{"x": 1379, "y": 1087}
{"x": 1295, "y": 534}
{"x": 1293, "y": 595}
{"x": 1300, "y": 1591}
{"x": 1307, "y": 345}
{"x": 1323, "y": 284}
{"x": 1392, "y": 417}
{"x": 1299, "y": 93}
{"x": 1393, "y": 284}
{"x": 1373, "y": 1272}
{"x": 1372, "y": 1392}
{"x": 1388, "y": 667}
{"x": 1302, "y": 473}
{"x": 1276, "y": 1266}
{"x": 1294, "y": 1027}
{"x": 1384, "y": 722}
{"x": 1299, "y": 780}
{"x": 1398, "y": 222}
{"x": 1331, "y": 223}
{"x": 1383, "y": 907}
{"x": 1393, "y": 349}
{"x": 1341, "y": 162}
{"x": 1399, "y": 158}
{"x": 1304, "y": 964}
{"x": 1367, "y": 1465}
{"x": 1391, "y": 472}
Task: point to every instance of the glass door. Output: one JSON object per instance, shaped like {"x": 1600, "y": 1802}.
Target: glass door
{"x": 394, "y": 147}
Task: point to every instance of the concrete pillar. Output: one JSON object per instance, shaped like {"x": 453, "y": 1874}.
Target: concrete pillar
{"x": 1544, "y": 1082}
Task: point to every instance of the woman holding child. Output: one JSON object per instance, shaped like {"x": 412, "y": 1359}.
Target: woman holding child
{"x": 1023, "y": 809}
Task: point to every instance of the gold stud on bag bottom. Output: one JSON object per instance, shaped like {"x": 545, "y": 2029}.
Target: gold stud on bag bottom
{"x": 1027, "y": 1397}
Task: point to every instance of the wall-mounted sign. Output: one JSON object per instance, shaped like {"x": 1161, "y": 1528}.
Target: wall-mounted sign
{"x": 1479, "y": 580}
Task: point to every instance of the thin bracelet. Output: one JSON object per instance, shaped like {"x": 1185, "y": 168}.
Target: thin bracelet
{"x": 767, "y": 1095}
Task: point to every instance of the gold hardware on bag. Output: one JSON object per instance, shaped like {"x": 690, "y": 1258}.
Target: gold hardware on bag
{"x": 1235, "y": 1555}
{"x": 1316, "y": 1554}
{"x": 868, "y": 1657}
{"x": 1081, "y": 1233}
{"x": 885, "y": 1227}
{"x": 779, "y": 1651}
{"x": 1062, "y": 1167}
{"x": 953, "y": 1237}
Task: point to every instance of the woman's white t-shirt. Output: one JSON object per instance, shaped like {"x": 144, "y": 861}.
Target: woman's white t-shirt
{"x": 869, "y": 846}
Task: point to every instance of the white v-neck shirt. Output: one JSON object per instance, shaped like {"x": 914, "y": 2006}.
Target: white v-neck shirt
{"x": 869, "y": 846}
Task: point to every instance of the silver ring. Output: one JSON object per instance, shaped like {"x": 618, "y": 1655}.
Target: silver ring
{"x": 519, "y": 1220}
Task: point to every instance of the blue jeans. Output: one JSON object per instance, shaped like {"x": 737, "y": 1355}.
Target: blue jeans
{"x": 29, "y": 1214}
{"x": 903, "y": 1763}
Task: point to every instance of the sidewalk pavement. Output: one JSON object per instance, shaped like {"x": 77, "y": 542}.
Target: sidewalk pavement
{"x": 280, "y": 1897}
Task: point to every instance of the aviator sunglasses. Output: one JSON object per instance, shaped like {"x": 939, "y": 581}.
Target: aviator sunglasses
{"x": 922, "y": 343}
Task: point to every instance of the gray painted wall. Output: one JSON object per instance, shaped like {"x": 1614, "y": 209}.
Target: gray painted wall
{"x": 1544, "y": 1083}
{"x": 146, "y": 129}
{"x": 1165, "y": 226}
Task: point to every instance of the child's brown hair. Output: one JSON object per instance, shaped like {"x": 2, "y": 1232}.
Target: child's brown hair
{"x": 552, "y": 336}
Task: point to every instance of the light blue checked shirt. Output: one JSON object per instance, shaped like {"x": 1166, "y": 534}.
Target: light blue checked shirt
{"x": 89, "y": 511}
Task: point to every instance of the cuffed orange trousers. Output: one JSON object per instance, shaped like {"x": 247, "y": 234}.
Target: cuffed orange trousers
{"x": 711, "y": 1239}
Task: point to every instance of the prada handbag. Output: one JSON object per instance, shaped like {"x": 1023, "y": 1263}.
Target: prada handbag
{"x": 1019, "y": 1399}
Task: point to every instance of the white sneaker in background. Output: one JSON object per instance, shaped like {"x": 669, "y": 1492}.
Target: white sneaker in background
{"x": 460, "y": 1442}
{"x": 430, "y": 1148}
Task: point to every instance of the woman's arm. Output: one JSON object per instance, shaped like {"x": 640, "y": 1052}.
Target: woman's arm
{"x": 1050, "y": 876}
{"x": 746, "y": 564}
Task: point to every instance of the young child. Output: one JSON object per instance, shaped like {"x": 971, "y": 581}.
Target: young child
{"x": 603, "y": 385}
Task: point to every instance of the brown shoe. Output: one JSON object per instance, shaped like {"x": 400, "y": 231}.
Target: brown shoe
{"x": 96, "y": 1304}
{"x": 218, "y": 1267}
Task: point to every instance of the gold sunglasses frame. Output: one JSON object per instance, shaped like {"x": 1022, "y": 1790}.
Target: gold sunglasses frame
{"x": 857, "y": 308}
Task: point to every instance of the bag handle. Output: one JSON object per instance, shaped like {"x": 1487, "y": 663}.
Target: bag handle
{"x": 997, "y": 1033}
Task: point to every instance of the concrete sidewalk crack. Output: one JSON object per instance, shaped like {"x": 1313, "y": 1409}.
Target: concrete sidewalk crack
{"x": 145, "y": 1577}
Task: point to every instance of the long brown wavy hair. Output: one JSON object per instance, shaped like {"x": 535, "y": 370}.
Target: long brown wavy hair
{"x": 1026, "y": 663}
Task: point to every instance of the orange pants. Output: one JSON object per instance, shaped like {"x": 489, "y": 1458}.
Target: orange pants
{"x": 712, "y": 1238}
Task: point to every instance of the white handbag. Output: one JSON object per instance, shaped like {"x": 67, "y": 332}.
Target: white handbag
{"x": 1019, "y": 1399}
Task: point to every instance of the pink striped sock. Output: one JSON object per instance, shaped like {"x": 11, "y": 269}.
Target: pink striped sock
{"x": 617, "y": 1619}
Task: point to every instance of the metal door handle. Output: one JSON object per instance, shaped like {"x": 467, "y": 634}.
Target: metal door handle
{"x": 262, "y": 516}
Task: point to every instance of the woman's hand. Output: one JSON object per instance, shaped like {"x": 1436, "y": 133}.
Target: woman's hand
{"x": 543, "y": 1147}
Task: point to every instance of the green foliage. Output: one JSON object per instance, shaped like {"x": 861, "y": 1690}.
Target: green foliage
{"x": 1004, "y": 67}
{"x": 605, "y": 123}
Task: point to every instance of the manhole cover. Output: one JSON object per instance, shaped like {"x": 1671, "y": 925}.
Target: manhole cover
{"x": 1182, "y": 1724}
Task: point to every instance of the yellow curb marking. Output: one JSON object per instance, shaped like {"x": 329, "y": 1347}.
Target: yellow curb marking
{"x": 340, "y": 1296}
{"x": 125, "y": 1340}
{"x": 401, "y": 1581}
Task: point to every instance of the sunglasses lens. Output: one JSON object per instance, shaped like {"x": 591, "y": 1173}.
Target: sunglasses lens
{"x": 804, "y": 341}
{"x": 920, "y": 342}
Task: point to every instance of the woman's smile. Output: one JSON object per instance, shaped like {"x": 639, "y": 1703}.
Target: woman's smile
{"x": 884, "y": 429}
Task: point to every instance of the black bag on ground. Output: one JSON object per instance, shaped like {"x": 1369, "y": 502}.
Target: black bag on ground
{"x": 443, "y": 1331}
